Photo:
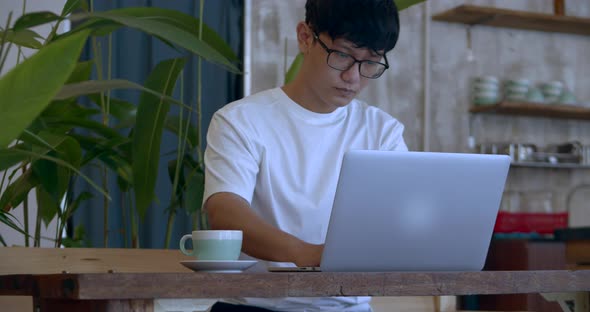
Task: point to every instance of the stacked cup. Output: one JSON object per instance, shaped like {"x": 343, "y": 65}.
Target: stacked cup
{"x": 486, "y": 90}
{"x": 516, "y": 89}
{"x": 535, "y": 95}
{"x": 567, "y": 97}
{"x": 552, "y": 91}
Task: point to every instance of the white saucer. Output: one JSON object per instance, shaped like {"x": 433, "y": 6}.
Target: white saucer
{"x": 218, "y": 266}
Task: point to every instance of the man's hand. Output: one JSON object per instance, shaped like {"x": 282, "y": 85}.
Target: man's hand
{"x": 308, "y": 255}
{"x": 228, "y": 211}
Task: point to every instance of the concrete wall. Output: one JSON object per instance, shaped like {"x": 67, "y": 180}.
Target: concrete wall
{"x": 505, "y": 53}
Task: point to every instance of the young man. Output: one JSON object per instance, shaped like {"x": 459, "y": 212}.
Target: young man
{"x": 273, "y": 158}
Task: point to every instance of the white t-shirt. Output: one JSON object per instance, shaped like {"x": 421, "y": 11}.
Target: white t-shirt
{"x": 285, "y": 160}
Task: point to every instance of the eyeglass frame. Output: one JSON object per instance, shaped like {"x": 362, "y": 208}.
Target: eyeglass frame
{"x": 360, "y": 62}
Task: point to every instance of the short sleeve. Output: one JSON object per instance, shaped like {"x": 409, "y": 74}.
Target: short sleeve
{"x": 231, "y": 161}
{"x": 393, "y": 139}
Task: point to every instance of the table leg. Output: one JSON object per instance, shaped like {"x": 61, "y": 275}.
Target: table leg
{"x": 135, "y": 305}
{"x": 570, "y": 302}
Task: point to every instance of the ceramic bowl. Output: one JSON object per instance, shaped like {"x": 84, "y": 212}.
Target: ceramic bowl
{"x": 517, "y": 83}
{"x": 484, "y": 86}
{"x": 515, "y": 96}
{"x": 567, "y": 97}
{"x": 487, "y": 80}
{"x": 482, "y": 101}
{"x": 517, "y": 89}
{"x": 554, "y": 84}
{"x": 535, "y": 95}
{"x": 550, "y": 91}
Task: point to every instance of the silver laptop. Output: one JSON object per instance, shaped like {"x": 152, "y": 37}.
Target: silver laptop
{"x": 413, "y": 211}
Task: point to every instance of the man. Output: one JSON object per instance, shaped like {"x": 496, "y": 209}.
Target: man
{"x": 273, "y": 158}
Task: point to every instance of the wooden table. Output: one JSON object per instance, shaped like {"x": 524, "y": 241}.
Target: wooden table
{"x": 138, "y": 291}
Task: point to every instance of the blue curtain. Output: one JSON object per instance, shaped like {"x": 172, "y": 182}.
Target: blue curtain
{"x": 133, "y": 56}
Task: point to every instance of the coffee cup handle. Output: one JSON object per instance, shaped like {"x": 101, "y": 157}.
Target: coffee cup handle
{"x": 182, "y": 242}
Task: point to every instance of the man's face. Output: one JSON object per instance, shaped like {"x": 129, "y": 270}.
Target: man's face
{"x": 333, "y": 88}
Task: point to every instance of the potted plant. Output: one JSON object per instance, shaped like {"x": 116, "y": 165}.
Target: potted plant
{"x": 49, "y": 136}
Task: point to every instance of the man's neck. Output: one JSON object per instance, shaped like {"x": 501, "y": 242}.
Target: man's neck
{"x": 301, "y": 94}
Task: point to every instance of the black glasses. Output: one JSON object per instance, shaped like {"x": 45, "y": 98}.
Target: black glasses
{"x": 343, "y": 61}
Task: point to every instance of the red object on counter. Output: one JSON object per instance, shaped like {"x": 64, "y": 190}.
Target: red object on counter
{"x": 530, "y": 222}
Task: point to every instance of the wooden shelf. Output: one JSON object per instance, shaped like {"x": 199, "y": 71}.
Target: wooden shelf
{"x": 550, "y": 166}
{"x": 489, "y": 16}
{"x": 535, "y": 110}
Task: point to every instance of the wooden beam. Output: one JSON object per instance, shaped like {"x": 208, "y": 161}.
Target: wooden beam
{"x": 120, "y": 286}
{"x": 22, "y": 260}
{"x": 535, "y": 110}
{"x": 491, "y": 16}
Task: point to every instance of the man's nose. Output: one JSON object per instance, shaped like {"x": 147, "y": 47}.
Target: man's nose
{"x": 353, "y": 73}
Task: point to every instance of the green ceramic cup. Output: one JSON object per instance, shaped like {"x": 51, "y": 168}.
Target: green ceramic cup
{"x": 535, "y": 95}
{"x": 213, "y": 245}
{"x": 567, "y": 97}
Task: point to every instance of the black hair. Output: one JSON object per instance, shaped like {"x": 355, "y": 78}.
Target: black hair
{"x": 373, "y": 24}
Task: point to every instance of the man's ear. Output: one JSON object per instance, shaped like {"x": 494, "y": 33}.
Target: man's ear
{"x": 304, "y": 37}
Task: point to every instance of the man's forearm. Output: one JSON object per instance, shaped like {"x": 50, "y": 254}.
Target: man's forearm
{"x": 261, "y": 240}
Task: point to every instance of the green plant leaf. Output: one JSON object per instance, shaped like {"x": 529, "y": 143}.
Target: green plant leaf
{"x": 186, "y": 195}
{"x": 94, "y": 86}
{"x": 79, "y": 239}
{"x": 193, "y": 197}
{"x": 31, "y": 85}
{"x": 151, "y": 114}
{"x": 40, "y": 142}
{"x": 97, "y": 86}
{"x": 106, "y": 152}
{"x": 172, "y": 164}
{"x": 171, "y": 33}
{"x": 49, "y": 120}
{"x": 185, "y": 22}
{"x": 187, "y": 164}
{"x": 72, "y": 5}
{"x": 119, "y": 165}
{"x": 98, "y": 27}
{"x": 404, "y": 4}
{"x": 73, "y": 206}
{"x": 47, "y": 206}
{"x": 88, "y": 124}
{"x": 34, "y": 19}
{"x": 54, "y": 179}
{"x": 67, "y": 165}
{"x": 7, "y": 219}
{"x": 9, "y": 158}
{"x": 122, "y": 110}
{"x": 294, "y": 68}
{"x": 24, "y": 37}
{"x": 50, "y": 179}
{"x": 172, "y": 123}
{"x": 18, "y": 190}
{"x": 66, "y": 109}
{"x": 104, "y": 147}
{"x": 81, "y": 72}
{"x": 175, "y": 18}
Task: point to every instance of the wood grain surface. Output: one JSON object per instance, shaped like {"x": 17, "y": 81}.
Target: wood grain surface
{"x": 101, "y": 286}
{"x": 535, "y": 109}
{"x": 491, "y": 16}
{"x": 21, "y": 260}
